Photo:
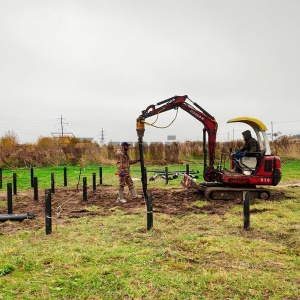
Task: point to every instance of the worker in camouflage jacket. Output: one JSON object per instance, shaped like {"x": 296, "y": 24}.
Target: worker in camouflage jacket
{"x": 123, "y": 165}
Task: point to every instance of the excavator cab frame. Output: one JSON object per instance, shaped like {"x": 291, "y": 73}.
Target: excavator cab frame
{"x": 260, "y": 130}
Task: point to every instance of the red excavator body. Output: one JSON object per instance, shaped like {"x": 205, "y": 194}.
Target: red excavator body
{"x": 258, "y": 169}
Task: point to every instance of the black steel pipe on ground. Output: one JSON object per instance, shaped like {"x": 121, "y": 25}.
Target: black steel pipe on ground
{"x": 16, "y": 217}
{"x": 173, "y": 172}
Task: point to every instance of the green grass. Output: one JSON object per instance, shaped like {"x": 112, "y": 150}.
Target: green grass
{"x": 195, "y": 256}
{"x": 192, "y": 257}
{"x": 75, "y": 176}
{"x": 290, "y": 172}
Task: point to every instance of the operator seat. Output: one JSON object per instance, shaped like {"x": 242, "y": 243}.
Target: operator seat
{"x": 248, "y": 164}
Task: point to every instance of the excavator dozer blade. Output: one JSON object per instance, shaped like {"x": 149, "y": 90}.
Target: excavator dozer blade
{"x": 188, "y": 182}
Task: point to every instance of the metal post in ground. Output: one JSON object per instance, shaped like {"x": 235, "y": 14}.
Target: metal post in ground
{"x": 0, "y": 178}
{"x": 35, "y": 189}
{"x": 149, "y": 211}
{"x": 15, "y": 183}
{"x": 100, "y": 175}
{"x": 94, "y": 182}
{"x": 84, "y": 189}
{"x": 9, "y": 198}
{"x": 187, "y": 169}
{"x": 145, "y": 175}
{"x": 65, "y": 177}
{"x": 246, "y": 210}
{"x": 167, "y": 175}
{"x": 52, "y": 183}
{"x": 31, "y": 177}
{"x": 48, "y": 212}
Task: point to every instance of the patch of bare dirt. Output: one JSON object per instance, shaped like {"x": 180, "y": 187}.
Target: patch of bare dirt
{"x": 68, "y": 203}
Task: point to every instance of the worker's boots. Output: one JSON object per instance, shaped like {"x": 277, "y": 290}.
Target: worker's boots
{"x": 134, "y": 193}
{"x": 121, "y": 196}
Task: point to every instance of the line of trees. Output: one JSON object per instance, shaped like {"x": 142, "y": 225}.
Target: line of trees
{"x": 71, "y": 151}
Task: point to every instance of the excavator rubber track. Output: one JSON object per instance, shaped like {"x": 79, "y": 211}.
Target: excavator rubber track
{"x": 217, "y": 192}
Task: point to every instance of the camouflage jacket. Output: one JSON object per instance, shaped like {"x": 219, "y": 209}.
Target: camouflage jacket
{"x": 124, "y": 161}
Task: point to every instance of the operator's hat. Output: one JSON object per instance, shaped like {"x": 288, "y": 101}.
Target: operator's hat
{"x": 125, "y": 144}
{"x": 246, "y": 132}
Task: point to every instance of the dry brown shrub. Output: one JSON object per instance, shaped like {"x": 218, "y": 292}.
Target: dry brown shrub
{"x": 156, "y": 153}
{"x": 53, "y": 152}
{"x": 192, "y": 149}
{"x": 286, "y": 148}
{"x": 26, "y": 155}
{"x": 111, "y": 153}
{"x": 172, "y": 153}
{"x": 48, "y": 152}
{"x": 96, "y": 154}
{"x": 9, "y": 149}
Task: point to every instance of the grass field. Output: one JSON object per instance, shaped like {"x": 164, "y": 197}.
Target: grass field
{"x": 75, "y": 175}
{"x": 291, "y": 172}
{"x": 191, "y": 256}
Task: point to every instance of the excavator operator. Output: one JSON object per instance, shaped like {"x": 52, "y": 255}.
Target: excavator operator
{"x": 251, "y": 145}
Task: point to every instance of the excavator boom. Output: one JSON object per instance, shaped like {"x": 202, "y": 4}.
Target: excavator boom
{"x": 209, "y": 122}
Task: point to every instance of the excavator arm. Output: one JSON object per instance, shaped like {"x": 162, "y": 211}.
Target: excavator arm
{"x": 209, "y": 122}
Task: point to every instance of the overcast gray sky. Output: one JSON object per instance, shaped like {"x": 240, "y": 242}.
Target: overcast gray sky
{"x": 99, "y": 63}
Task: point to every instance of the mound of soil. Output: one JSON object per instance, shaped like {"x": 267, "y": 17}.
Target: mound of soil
{"x": 69, "y": 203}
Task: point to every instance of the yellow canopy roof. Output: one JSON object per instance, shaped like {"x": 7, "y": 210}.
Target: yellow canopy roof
{"x": 250, "y": 121}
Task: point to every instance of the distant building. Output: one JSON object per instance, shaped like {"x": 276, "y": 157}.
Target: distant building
{"x": 119, "y": 143}
{"x": 171, "y": 137}
{"x": 114, "y": 143}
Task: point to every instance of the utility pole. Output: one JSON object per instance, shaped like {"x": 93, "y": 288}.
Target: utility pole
{"x": 102, "y": 137}
{"x": 62, "y": 125}
{"x": 62, "y": 133}
{"x": 272, "y": 130}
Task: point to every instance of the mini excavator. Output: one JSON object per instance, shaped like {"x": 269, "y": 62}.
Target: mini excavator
{"x": 257, "y": 170}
